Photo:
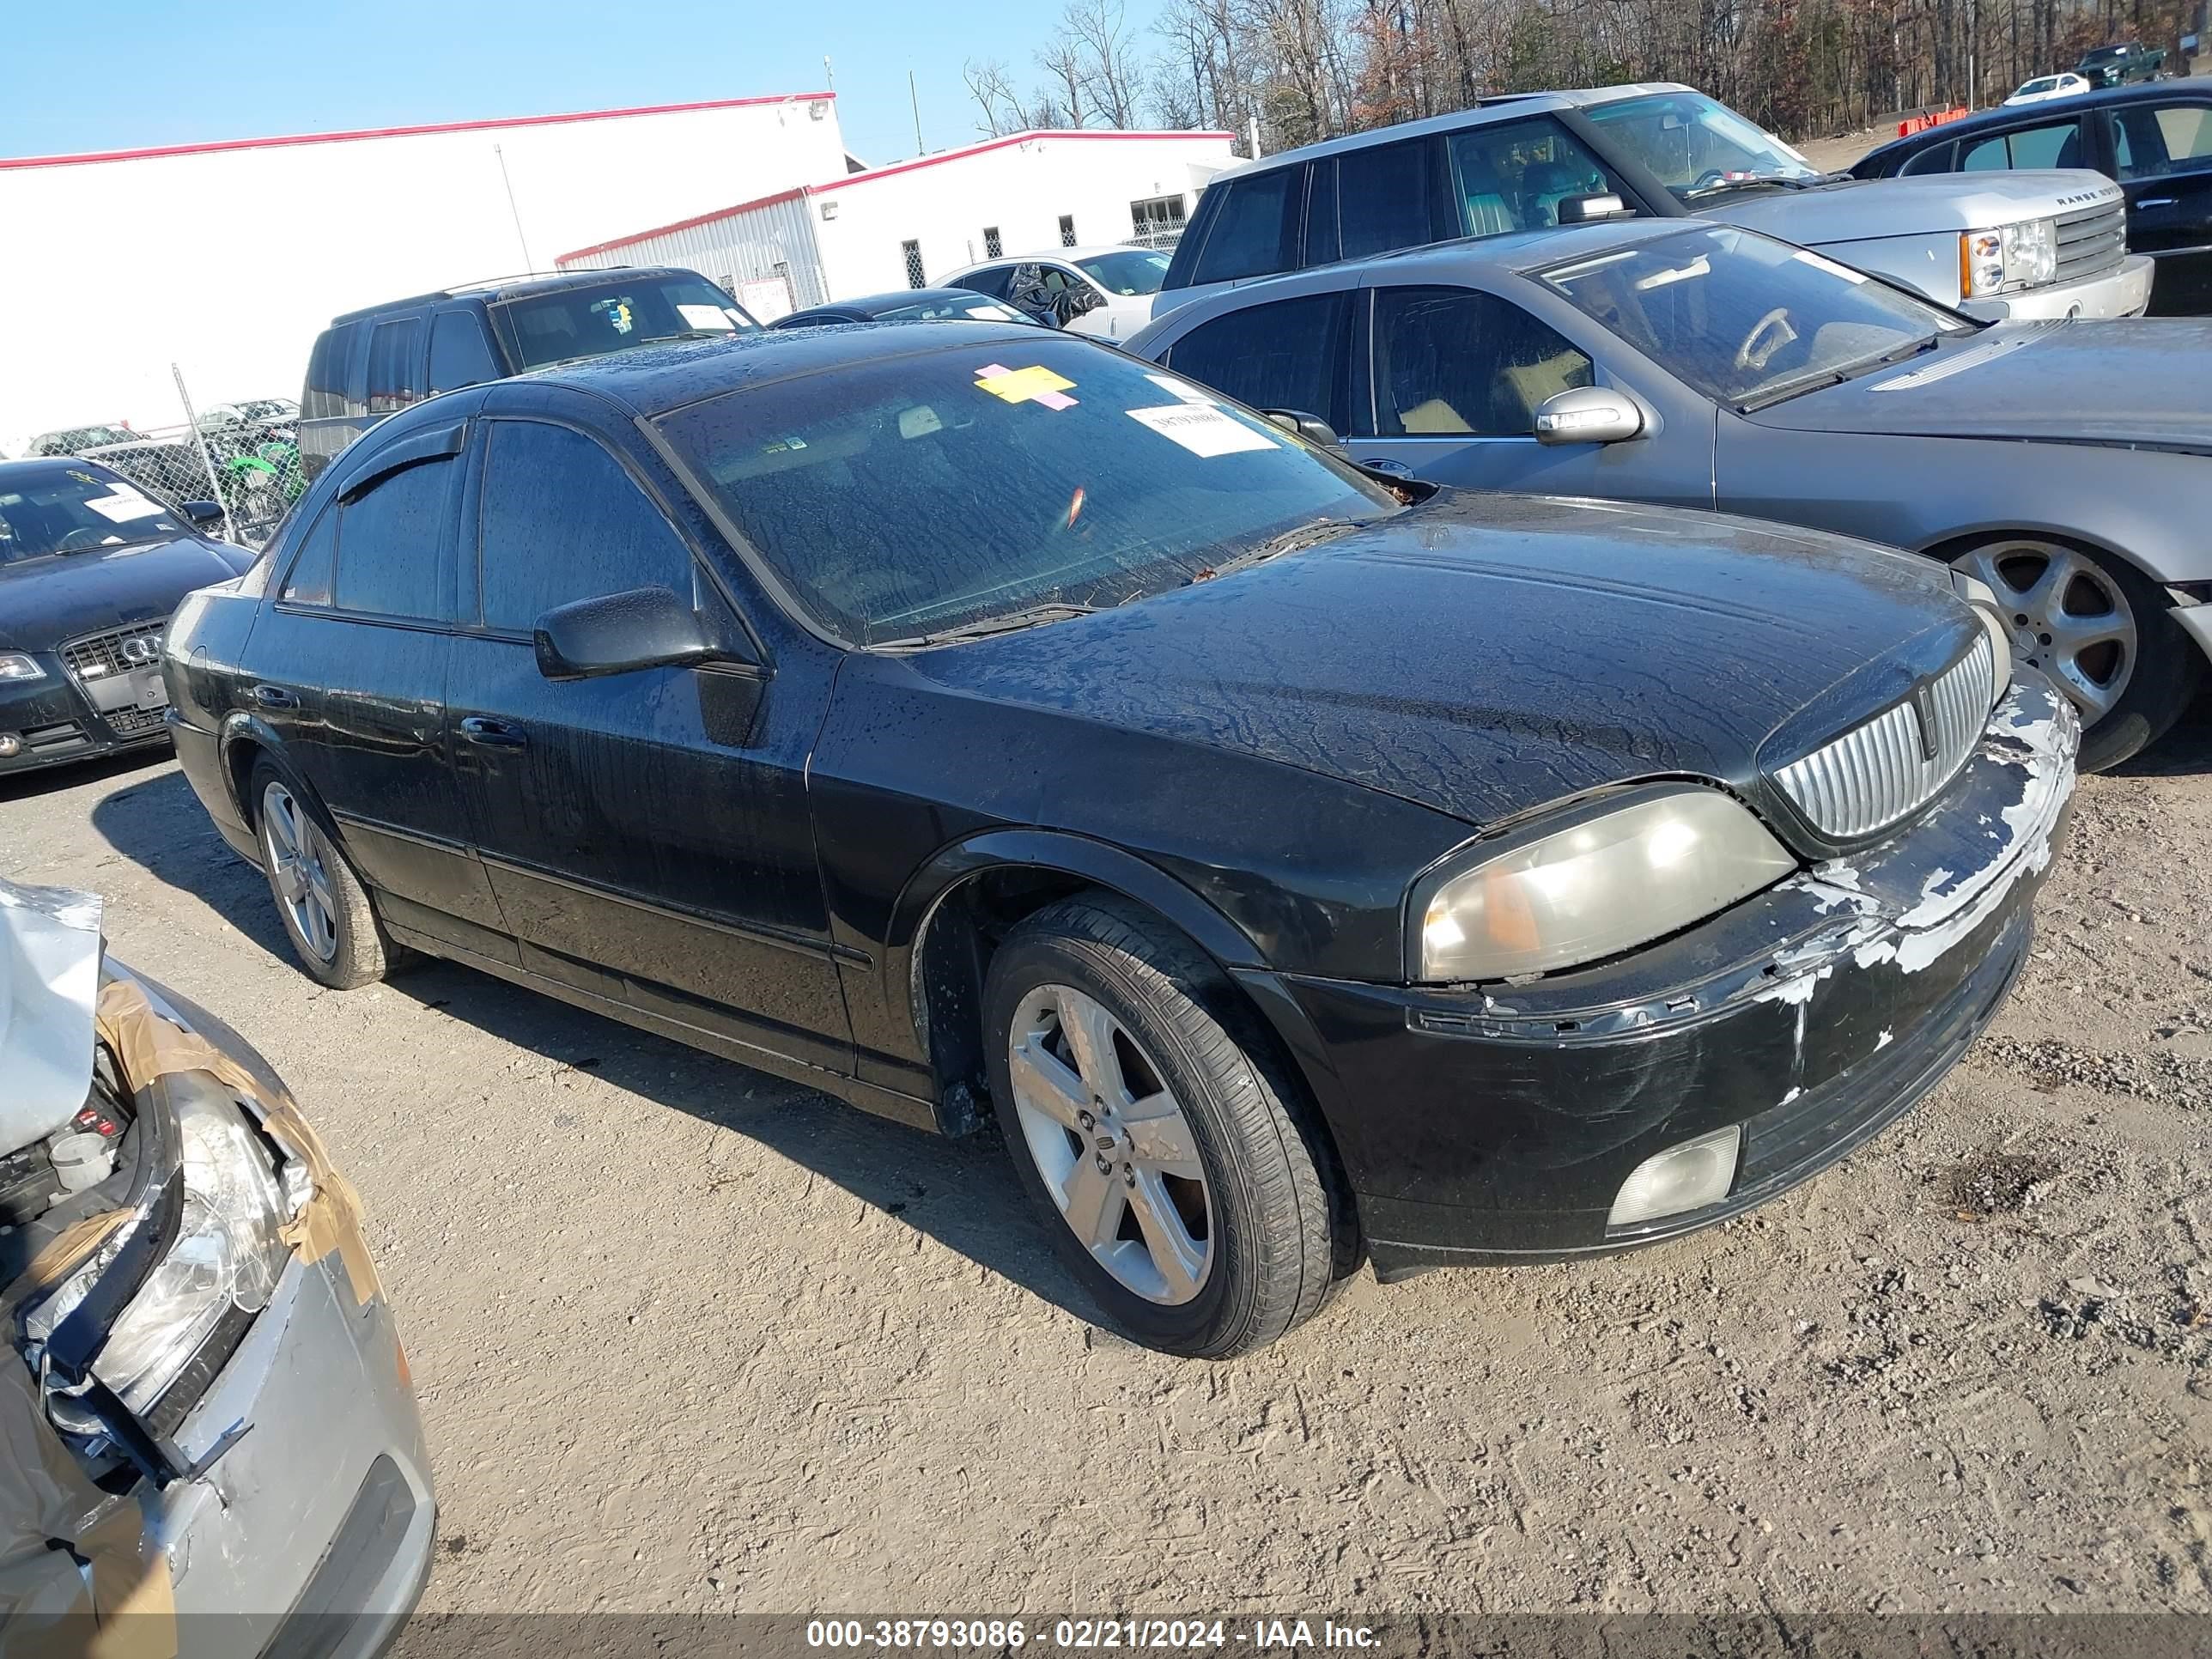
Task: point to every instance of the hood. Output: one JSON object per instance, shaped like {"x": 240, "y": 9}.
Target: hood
{"x": 1485, "y": 654}
{"x": 46, "y": 601}
{"x": 1868, "y": 209}
{"x": 2135, "y": 381}
{"x": 49, "y": 984}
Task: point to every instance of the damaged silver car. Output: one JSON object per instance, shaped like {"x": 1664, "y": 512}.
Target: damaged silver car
{"x": 209, "y": 1442}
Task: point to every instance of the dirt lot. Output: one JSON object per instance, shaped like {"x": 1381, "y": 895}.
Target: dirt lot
{"x": 691, "y": 1339}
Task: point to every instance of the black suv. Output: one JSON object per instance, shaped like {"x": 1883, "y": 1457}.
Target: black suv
{"x": 371, "y": 362}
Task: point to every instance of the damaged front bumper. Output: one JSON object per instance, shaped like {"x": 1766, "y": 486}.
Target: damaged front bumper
{"x": 278, "y": 1496}
{"x": 1501, "y": 1127}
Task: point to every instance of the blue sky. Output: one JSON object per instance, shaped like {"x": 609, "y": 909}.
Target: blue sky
{"x": 184, "y": 71}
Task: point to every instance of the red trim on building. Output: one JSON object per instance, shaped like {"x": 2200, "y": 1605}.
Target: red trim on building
{"x": 869, "y": 176}
{"x": 288, "y": 140}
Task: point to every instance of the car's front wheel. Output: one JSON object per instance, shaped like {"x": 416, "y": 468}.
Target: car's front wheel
{"x": 324, "y": 906}
{"x": 1154, "y": 1131}
{"x": 2103, "y": 632}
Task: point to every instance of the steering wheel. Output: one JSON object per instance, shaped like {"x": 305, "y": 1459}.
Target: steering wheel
{"x": 85, "y": 537}
{"x": 1751, "y": 355}
{"x": 1711, "y": 176}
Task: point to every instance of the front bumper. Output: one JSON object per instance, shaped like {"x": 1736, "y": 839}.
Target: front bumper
{"x": 1499, "y": 1128}
{"x": 56, "y": 723}
{"x": 2122, "y": 291}
{"x": 2195, "y": 621}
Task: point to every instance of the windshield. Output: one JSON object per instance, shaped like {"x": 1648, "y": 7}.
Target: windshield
{"x": 1694, "y": 144}
{"x": 2104, "y": 54}
{"x": 1744, "y": 319}
{"x": 1127, "y": 271}
{"x": 908, "y": 496}
{"x": 75, "y": 510}
{"x": 632, "y": 311}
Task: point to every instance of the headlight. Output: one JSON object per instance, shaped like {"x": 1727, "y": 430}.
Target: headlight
{"x": 2015, "y": 256}
{"x": 16, "y": 667}
{"x": 1980, "y": 595}
{"x": 1618, "y": 872}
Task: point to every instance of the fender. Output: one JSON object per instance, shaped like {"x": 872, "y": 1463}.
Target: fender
{"x": 240, "y": 726}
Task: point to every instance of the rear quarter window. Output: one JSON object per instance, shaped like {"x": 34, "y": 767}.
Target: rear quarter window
{"x": 324, "y": 397}
{"x": 1252, "y": 229}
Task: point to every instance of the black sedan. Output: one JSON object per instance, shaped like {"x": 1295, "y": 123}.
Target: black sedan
{"x": 969, "y": 719}
{"x": 2155, "y": 138}
{"x": 90, "y": 569}
{"x": 906, "y": 305}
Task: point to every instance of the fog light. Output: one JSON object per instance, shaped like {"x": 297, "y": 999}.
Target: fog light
{"x": 10, "y": 746}
{"x": 1684, "y": 1177}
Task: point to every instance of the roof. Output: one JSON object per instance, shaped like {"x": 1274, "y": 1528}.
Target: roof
{"x": 354, "y": 135}
{"x": 2142, "y": 91}
{"x": 512, "y": 288}
{"x": 654, "y": 379}
{"x": 889, "y": 170}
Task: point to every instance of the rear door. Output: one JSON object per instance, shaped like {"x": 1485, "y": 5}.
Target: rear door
{"x": 647, "y": 833}
{"x": 2162, "y": 156}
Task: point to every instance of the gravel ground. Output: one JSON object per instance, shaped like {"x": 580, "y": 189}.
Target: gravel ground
{"x": 689, "y": 1338}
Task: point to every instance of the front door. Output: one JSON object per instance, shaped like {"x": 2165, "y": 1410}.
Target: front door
{"x": 1457, "y": 375}
{"x": 648, "y": 833}
{"x": 2162, "y": 156}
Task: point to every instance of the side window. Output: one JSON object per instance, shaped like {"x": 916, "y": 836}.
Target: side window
{"x": 1249, "y": 236}
{"x": 2058, "y": 144}
{"x": 563, "y": 520}
{"x": 1514, "y": 175}
{"x": 1383, "y": 198}
{"x": 992, "y": 282}
{"x": 308, "y": 581}
{"x": 1936, "y": 158}
{"x": 393, "y": 380}
{"x": 1323, "y": 247}
{"x": 388, "y": 538}
{"x": 2149, "y": 143}
{"x": 326, "y": 373}
{"x": 459, "y": 353}
{"x": 1290, "y": 354}
{"x": 1453, "y": 362}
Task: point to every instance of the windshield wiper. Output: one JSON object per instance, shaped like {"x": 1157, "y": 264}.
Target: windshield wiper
{"x": 1290, "y": 541}
{"x": 1754, "y": 181}
{"x": 1011, "y": 621}
{"x": 1786, "y": 390}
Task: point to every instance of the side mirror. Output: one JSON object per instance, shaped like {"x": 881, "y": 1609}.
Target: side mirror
{"x": 623, "y": 632}
{"x": 1311, "y": 427}
{"x": 203, "y": 515}
{"x": 1589, "y": 415}
{"x": 1587, "y": 210}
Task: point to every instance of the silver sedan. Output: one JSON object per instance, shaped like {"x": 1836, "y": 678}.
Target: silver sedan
{"x": 2067, "y": 465}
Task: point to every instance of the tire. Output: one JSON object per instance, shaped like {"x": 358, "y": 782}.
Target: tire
{"x": 1226, "y": 1157}
{"x": 2126, "y": 700}
{"x": 324, "y": 909}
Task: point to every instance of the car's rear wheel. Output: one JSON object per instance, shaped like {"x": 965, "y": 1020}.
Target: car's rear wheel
{"x": 325, "y": 907}
{"x": 1151, "y": 1127}
{"x": 2101, "y": 630}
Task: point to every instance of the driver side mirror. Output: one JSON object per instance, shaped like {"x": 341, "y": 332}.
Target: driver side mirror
{"x": 1589, "y": 415}
{"x": 623, "y": 633}
{"x": 203, "y": 516}
{"x": 1314, "y": 429}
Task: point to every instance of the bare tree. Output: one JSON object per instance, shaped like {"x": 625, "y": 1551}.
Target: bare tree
{"x": 1112, "y": 72}
{"x": 1066, "y": 74}
{"x": 989, "y": 85}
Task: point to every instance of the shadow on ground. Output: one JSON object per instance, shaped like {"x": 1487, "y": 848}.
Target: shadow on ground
{"x": 961, "y": 1193}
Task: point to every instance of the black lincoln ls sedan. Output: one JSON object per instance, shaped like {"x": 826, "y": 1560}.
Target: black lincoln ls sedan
{"x": 90, "y": 569}
{"x": 971, "y": 720}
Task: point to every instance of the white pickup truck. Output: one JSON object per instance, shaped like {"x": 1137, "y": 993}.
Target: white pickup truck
{"x": 1995, "y": 246}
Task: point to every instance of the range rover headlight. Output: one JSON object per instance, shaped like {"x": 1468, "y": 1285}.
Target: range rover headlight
{"x": 2007, "y": 257}
{"x": 1615, "y": 873}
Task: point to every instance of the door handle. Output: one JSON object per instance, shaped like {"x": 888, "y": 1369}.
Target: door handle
{"x": 2155, "y": 201}
{"x": 1395, "y": 468}
{"x": 276, "y": 697}
{"x": 493, "y": 734}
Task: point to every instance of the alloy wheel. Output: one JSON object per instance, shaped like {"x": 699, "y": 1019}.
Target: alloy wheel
{"x": 2067, "y": 616}
{"x": 298, "y": 861}
{"x": 1112, "y": 1143}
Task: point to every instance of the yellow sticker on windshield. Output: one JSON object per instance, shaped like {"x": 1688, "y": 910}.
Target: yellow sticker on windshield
{"x": 1034, "y": 385}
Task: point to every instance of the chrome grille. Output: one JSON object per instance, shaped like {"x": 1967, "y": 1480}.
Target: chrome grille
{"x": 2089, "y": 240}
{"x": 1877, "y": 773}
{"x": 118, "y": 651}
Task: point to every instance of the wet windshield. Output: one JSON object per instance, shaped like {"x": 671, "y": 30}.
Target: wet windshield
{"x": 905, "y": 496}
{"x": 1127, "y": 271}
{"x": 1696, "y": 146}
{"x": 634, "y": 311}
{"x": 49, "y": 510}
{"x": 1746, "y": 320}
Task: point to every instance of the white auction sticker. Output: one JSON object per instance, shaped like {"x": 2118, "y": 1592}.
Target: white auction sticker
{"x": 705, "y": 317}
{"x": 1203, "y": 429}
{"x": 123, "y": 506}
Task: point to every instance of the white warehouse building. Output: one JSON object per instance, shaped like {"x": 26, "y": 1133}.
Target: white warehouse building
{"x": 906, "y": 223}
{"x": 257, "y": 243}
